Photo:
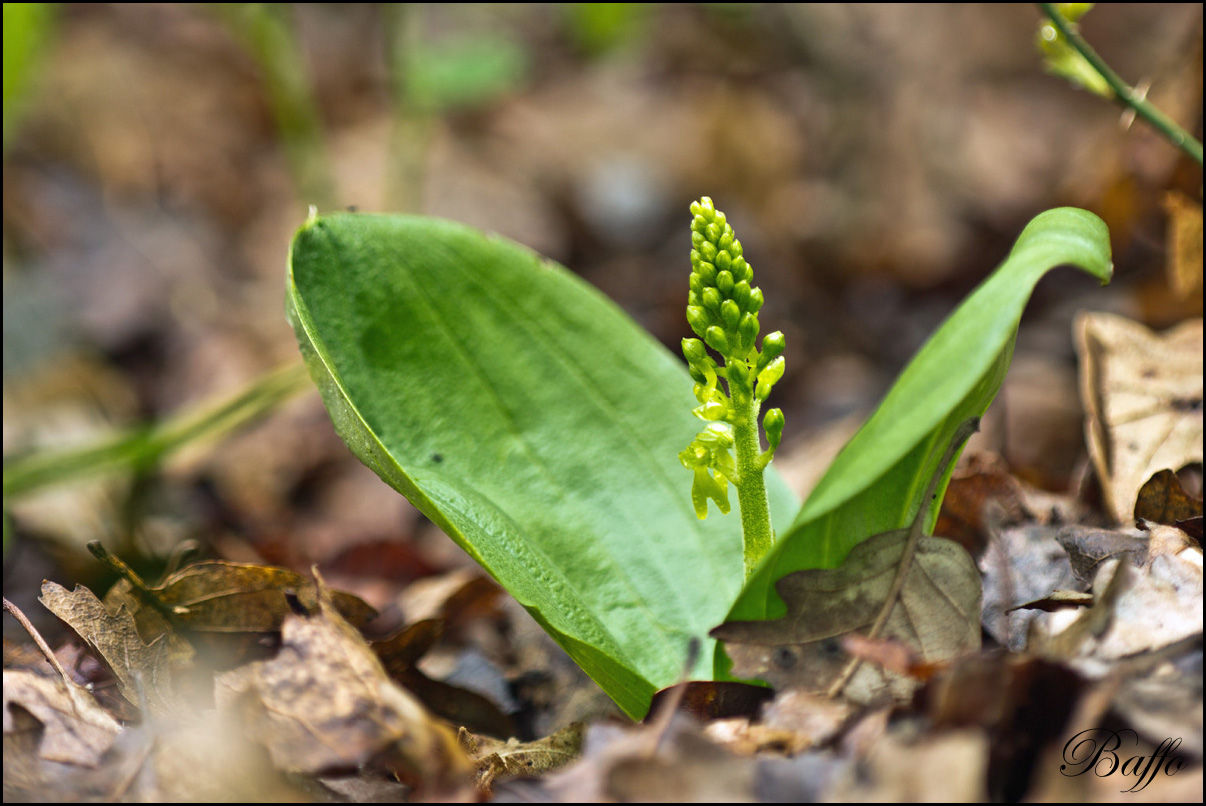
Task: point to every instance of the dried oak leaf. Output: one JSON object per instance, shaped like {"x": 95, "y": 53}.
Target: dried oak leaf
{"x": 75, "y": 729}
{"x": 937, "y": 614}
{"x": 495, "y": 760}
{"x": 325, "y": 703}
{"x": 226, "y": 597}
{"x": 140, "y": 668}
{"x": 1143, "y": 400}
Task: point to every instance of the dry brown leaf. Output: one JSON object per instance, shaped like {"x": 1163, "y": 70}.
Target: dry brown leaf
{"x": 222, "y": 597}
{"x": 496, "y": 760}
{"x": 1163, "y": 500}
{"x": 325, "y": 703}
{"x": 937, "y": 614}
{"x": 75, "y": 729}
{"x": 1143, "y": 400}
{"x": 1184, "y": 266}
{"x": 141, "y": 669}
{"x": 922, "y": 591}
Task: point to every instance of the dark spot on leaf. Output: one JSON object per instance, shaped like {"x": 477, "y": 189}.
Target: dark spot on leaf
{"x": 295, "y": 603}
{"x": 437, "y": 458}
{"x": 1186, "y": 404}
{"x": 1148, "y": 372}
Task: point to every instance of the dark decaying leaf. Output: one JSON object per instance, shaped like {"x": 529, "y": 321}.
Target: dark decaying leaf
{"x": 325, "y": 703}
{"x": 707, "y": 699}
{"x": 938, "y": 614}
{"x": 1089, "y": 547}
{"x": 923, "y": 591}
{"x": 141, "y": 669}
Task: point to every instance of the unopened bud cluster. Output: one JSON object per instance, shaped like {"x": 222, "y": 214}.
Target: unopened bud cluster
{"x": 722, "y": 309}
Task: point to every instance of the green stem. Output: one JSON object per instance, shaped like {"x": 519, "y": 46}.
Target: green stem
{"x": 1126, "y": 94}
{"x": 143, "y": 447}
{"x": 756, "y": 533}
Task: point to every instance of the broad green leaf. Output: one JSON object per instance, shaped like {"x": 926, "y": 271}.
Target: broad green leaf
{"x": 534, "y": 422}
{"x": 877, "y": 481}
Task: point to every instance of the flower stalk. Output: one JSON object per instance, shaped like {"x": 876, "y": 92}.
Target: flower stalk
{"x": 722, "y": 309}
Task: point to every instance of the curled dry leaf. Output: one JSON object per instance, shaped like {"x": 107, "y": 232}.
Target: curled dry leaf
{"x": 495, "y": 760}
{"x": 326, "y": 703}
{"x": 1143, "y": 399}
{"x": 141, "y": 669}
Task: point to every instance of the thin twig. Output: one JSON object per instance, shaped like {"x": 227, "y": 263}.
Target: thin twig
{"x": 1126, "y": 95}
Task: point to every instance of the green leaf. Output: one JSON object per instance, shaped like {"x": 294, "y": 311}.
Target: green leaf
{"x": 534, "y": 422}
{"x": 877, "y": 481}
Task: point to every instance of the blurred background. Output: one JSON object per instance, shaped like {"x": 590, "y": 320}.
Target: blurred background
{"x": 877, "y": 161}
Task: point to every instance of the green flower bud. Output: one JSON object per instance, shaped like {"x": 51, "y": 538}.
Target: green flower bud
{"x": 695, "y": 283}
{"x": 726, "y": 240}
{"x": 707, "y": 250}
{"x": 697, "y": 239}
{"x": 694, "y": 351}
{"x": 707, "y": 273}
{"x": 713, "y": 232}
{"x": 772, "y": 423}
{"x": 748, "y": 330}
{"x": 723, "y": 261}
{"x": 711, "y": 299}
{"x": 697, "y": 317}
{"x": 755, "y": 300}
{"x": 741, "y": 294}
{"x": 716, "y": 339}
{"x": 772, "y": 348}
{"x": 768, "y": 377}
{"x": 740, "y": 269}
{"x": 730, "y": 314}
{"x": 724, "y": 282}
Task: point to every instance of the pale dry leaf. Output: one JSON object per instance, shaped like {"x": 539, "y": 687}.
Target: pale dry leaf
{"x": 945, "y": 767}
{"x": 325, "y": 703}
{"x": 937, "y": 614}
{"x": 76, "y": 730}
{"x": 1135, "y": 609}
{"x": 1142, "y": 394}
{"x": 142, "y": 669}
